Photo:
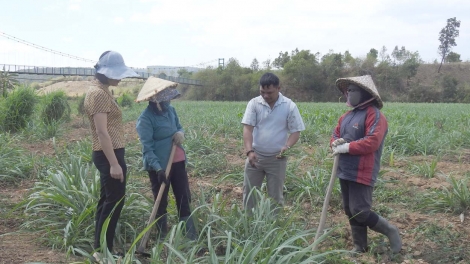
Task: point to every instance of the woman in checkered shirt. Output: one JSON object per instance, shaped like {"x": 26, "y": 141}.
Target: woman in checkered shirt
{"x": 108, "y": 142}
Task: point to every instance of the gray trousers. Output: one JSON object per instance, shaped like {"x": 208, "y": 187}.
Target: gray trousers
{"x": 357, "y": 203}
{"x": 275, "y": 172}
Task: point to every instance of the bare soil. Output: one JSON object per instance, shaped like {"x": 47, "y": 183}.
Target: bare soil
{"x": 71, "y": 88}
{"x": 427, "y": 73}
{"x": 17, "y": 246}
{"x": 79, "y": 88}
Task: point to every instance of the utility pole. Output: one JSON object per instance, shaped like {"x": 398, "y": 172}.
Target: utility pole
{"x": 221, "y": 62}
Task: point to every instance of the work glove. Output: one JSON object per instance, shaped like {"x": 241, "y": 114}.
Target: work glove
{"x": 178, "y": 138}
{"x": 343, "y": 148}
{"x": 338, "y": 142}
{"x": 161, "y": 177}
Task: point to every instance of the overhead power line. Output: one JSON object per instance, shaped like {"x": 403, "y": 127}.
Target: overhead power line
{"x": 44, "y": 48}
{"x": 5, "y": 35}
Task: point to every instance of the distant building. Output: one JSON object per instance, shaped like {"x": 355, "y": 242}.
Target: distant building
{"x": 169, "y": 70}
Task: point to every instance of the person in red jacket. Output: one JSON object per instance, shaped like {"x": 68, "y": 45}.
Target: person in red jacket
{"x": 359, "y": 139}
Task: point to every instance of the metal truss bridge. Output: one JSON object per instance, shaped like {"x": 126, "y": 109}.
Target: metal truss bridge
{"x": 76, "y": 71}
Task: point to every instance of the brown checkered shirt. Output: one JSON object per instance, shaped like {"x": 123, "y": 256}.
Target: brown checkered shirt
{"x": 98, "y": 99}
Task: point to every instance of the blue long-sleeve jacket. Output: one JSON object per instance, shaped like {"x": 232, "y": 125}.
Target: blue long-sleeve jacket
{"x": 156, "y": 135}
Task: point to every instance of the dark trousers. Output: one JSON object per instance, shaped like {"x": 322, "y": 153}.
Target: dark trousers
{"x": 180, "y": 185}
{"x": 111, "y": 196}
{"x": 357, "y": 202}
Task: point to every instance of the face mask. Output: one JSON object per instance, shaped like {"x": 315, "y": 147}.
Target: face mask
{"x": 165, "y": 105}
{"x": 354, "y": 95}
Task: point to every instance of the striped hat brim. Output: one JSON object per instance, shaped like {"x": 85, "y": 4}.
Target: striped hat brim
{"x": 365, "y": 82}
{"x": 153, "y": 86}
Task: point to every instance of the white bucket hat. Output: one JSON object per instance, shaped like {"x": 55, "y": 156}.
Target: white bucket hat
{"x": 365, "y": 82}
{"x": 111, "y": 65}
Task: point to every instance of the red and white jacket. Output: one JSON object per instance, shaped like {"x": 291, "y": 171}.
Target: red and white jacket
{"x": 365, "y": 130}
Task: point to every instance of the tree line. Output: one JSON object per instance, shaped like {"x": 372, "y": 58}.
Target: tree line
{"x": 307, "y": 76}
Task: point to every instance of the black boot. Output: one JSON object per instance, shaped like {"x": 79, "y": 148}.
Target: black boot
{"x": 162, "y": 228}
{"x": 391, "y": 231}
{"x": 190, "y": 228}
{"x": 359, "y": 237}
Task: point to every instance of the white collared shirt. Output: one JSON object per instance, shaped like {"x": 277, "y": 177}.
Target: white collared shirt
{"x": 271, "y": 126}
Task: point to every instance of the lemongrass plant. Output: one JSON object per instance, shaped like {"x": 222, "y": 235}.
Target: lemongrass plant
{"x": 454, "y": 199}
{"x": 17, "y": 109}
{"x": 15, "y": 163}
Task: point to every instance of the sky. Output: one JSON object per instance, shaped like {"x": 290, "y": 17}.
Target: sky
{"x": 198, "y": 33}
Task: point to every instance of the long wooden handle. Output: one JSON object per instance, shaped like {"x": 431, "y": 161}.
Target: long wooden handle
{"x": 326, "y": 203}
{"x": 145, "y": 238}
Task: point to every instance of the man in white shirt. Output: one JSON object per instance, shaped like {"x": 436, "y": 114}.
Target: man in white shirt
{"x": 271, "y": 125}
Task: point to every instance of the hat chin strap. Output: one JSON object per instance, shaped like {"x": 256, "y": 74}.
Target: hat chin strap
{"x": 159, "y": 107}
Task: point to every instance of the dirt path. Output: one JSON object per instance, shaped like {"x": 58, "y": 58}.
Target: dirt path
{"x": 17, "y": 246}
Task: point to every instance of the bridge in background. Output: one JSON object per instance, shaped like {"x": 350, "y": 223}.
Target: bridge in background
{"x": 75, "y": 71}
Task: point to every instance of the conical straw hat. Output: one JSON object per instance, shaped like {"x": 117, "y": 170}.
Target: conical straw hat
{"x": 153, "y": 86}
{"x": 365, "y": 82}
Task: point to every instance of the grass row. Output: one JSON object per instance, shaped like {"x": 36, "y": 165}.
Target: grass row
{"x": 60, "y": 206}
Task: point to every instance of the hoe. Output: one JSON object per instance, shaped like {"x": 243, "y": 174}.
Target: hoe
{"x": 326, "y": 203}
{"x": 143, "y": 243}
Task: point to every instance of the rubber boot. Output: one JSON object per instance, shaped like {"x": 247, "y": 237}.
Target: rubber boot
{"x": 391, "y": 231}
{"x": 359, "y": 237}
{"x": 162, "y": 228}
{"x": 190, "y": 228}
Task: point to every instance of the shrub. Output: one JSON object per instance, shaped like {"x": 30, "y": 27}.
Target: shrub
{"x": 463, "y": 93}
{"x": 424, "y": 94}
{"x": 449, "y": 88}
{"x": 18, "y": 109}
{"x": 35, "y": 85}
{"x": 125, "y": 100}
{"x": 81, "y": 105}
{"x": 7, "y": 81}
{"x": 55, "y": 107}
{"x": 136, "y": 90}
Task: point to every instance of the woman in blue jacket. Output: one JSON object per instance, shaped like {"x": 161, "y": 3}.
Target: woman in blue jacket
{"x": 159, "y": 128}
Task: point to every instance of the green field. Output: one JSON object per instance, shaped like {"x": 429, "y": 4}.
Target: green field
{"x": 423, "y": 188}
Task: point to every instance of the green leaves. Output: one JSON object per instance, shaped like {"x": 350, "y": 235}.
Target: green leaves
{"x": 7, "y": 81}
{"x": 55, "y": 107}
{"x": 447, "y": 37}
{"x": 61, "y": 205}
{"x": 18, "y": 109}
{"x": 125, "y": 100}
{"x": 454, "y": 199}
{"x": 15, "y": 163}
